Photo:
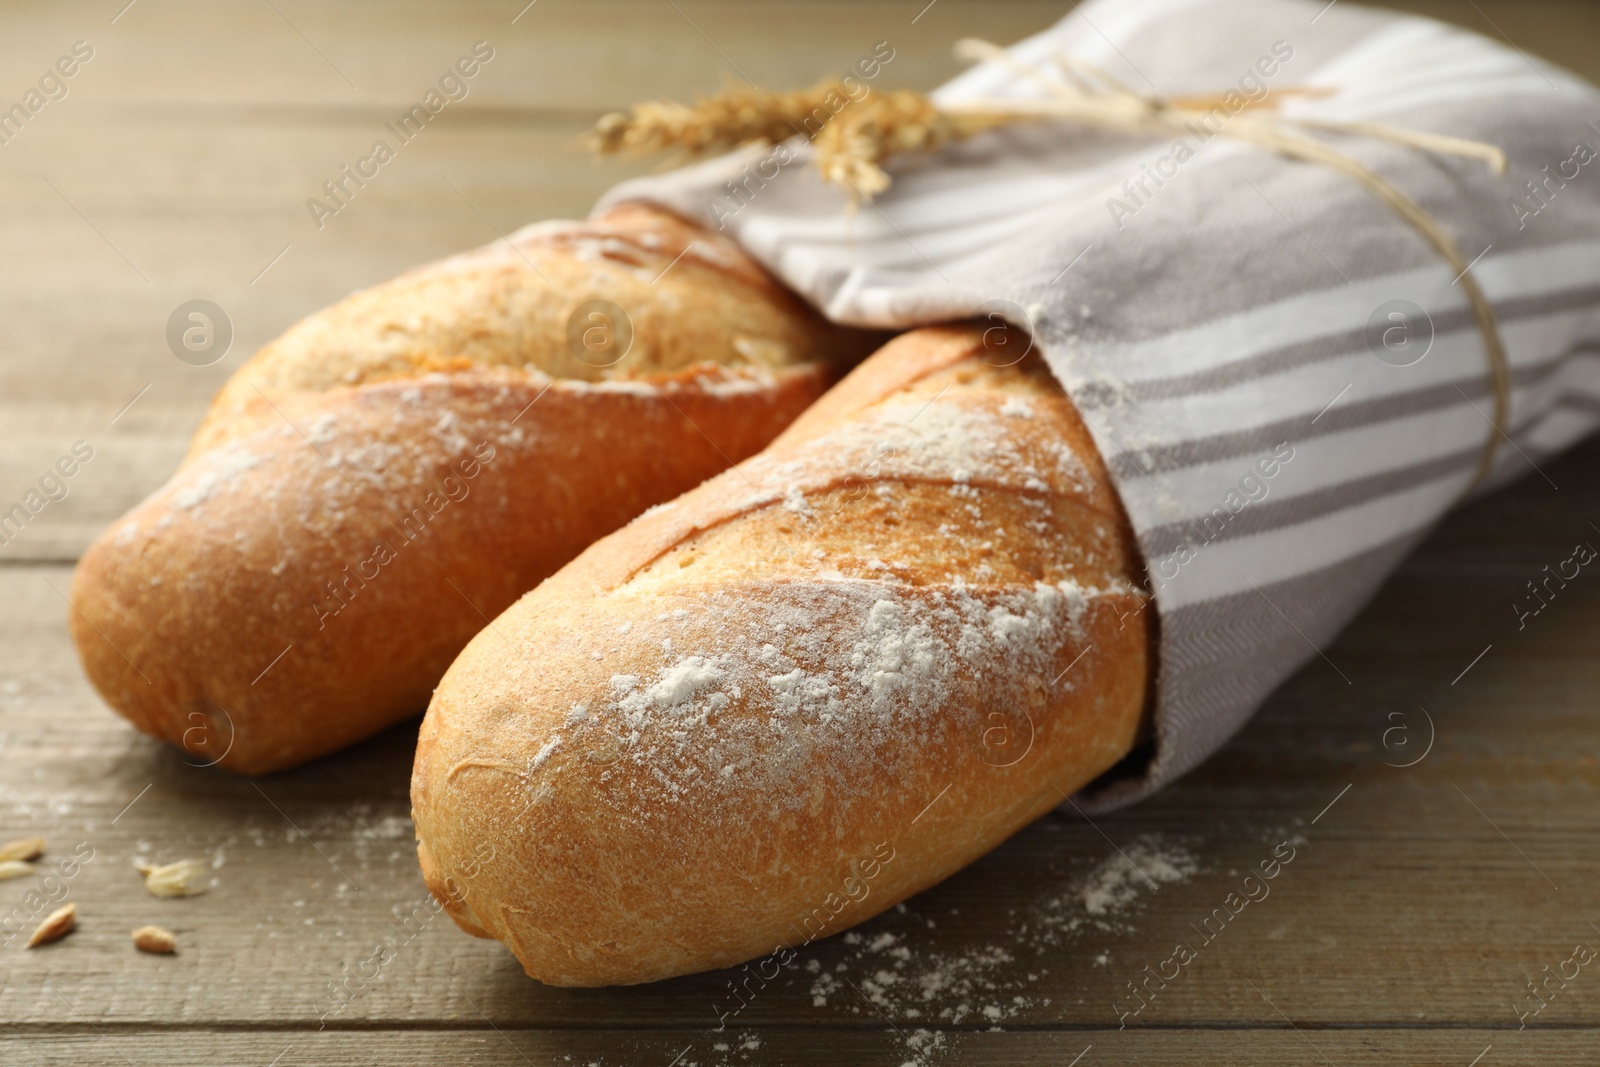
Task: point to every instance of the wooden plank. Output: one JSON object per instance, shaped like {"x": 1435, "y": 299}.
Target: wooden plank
{"x": 592, "y": 56}
{"x": 878, "y": 1047}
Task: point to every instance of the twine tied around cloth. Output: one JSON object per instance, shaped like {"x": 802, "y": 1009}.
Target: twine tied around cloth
{"x": 858, "y": 136}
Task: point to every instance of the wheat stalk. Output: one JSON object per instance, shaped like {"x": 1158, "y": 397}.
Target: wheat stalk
{"x": 851, "y": 138}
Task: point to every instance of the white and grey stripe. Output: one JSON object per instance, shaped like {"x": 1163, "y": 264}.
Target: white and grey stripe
{"x": 1227, "y": 313}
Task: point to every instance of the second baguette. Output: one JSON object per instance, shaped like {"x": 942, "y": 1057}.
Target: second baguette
{"x": 815, "y": 685}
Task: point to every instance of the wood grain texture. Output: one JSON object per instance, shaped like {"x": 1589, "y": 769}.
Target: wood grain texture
{"x": 878, "y": 1047}
{"x": 1405, "y": 930}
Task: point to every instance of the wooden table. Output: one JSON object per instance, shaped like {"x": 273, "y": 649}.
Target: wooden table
{"x": 1420, "y": 902}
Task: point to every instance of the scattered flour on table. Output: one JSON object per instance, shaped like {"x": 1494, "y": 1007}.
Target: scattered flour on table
{"x": 387, "y": 828}
{"x": 921, "y": 987}
{"x": 1120, "y": 879}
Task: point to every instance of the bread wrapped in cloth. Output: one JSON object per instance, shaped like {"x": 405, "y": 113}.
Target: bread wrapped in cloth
{"x": 818, "y": 683}
{"x": 371, "y": 487}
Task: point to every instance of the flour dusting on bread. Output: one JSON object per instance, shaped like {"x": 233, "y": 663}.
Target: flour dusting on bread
{"x": 217, "y": 472}
{"x": 863, "y": 670}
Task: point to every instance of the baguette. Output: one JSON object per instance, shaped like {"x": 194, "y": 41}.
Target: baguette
{"x": 372, "y": 486}
{"x": 811, "y": 687}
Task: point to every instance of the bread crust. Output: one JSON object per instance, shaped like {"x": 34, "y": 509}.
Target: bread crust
{"x": 809, "y": 688}
{"x": 367, "y": 491}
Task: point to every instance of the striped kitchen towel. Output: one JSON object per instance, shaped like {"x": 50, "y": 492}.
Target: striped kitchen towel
{"x": 1286, "y": 381}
